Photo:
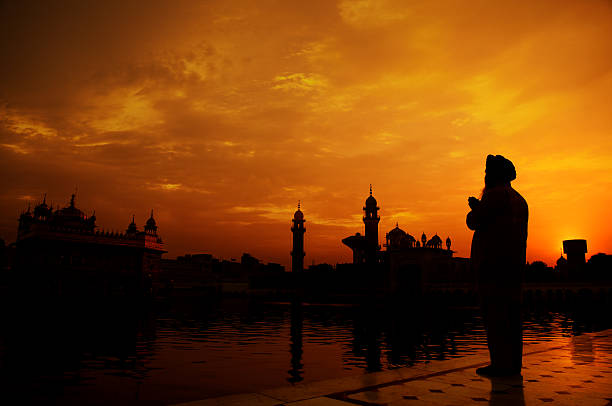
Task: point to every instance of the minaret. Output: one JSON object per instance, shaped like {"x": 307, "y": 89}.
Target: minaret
{"x": 298, "y": 230}
{"x": 371, "y": 219}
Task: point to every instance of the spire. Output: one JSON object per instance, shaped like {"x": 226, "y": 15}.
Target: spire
{"x": 132, "y": 229}
{"x": 397, "y": 224}
{"x": 151, "y": 225}
{"x": 298, "y": 204}
{"x": 45, "y": 198}
{"x": 370, "y": 189}
{"x": 72, "y": 199}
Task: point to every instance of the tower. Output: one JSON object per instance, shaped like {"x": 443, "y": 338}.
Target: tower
{"x": 298, "y": 230}
{"x": 151, "y": 225}
{"x": 371, "y": 219}
{"x": 575, "y": 250}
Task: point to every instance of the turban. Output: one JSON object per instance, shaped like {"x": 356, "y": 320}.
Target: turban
{"x": 500, "y": 169}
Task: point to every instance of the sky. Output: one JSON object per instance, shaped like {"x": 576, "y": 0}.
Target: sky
{"x": 221, "y": 115}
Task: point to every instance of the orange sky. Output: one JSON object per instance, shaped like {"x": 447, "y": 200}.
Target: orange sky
{"x": 220, "y": 115}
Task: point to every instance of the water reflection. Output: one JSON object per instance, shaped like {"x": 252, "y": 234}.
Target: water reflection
{"x": 507, "y": 391}
{"x": 582, "y": 350}
{"x": 295, "y": 373}
{"x": 180, "y": 351}
{"x": 366, "y": 336}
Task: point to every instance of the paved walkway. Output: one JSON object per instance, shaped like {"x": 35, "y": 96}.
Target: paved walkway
{"x": 576, "y": 373}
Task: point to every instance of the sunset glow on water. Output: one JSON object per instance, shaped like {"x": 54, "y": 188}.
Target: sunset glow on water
{"x": 193, "y": 352}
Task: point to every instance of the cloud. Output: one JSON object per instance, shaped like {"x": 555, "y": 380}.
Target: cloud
{"x": 223, "y": 115}
{"x": 300, "y": 82}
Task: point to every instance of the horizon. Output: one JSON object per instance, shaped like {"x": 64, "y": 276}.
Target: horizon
{"x": 222, "y": 116}
{"x": 140, "y": 224}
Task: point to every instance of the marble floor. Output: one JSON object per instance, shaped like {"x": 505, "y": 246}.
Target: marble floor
{"x": 578, "y": 372}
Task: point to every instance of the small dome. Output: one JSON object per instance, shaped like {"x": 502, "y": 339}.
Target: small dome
{"x": 435, "y": 242}
{"x": 42, "y": 210}
{"x": 151, "y": 225}
{"x": 298, "y": 215}
{"x": 151, "y": 221}
{"x": 370, "y": 201}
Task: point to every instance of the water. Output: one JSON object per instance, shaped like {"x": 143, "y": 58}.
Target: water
{"x": 167, "y": 353}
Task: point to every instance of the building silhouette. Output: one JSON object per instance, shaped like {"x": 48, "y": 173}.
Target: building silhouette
{"x": 575, "y": 251}
{"x": 371, "y": 220}
{"x": 298, "y": 230}
{"x": 406, "y": 263}
{"x": 68, "y": 254}
{"x": 366, "y": 248}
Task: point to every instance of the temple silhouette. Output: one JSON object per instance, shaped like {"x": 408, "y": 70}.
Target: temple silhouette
{"x": 365, "y": 247}
{"x": 406, "y": 263}
{"x": 69, "y": 254}
{"x": 61, "y": 251}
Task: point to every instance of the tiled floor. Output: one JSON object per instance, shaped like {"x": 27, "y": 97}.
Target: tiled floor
{"x": 579, "y": 373}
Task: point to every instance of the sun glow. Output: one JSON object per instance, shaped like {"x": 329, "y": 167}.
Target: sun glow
{"x": 223, "y": 116}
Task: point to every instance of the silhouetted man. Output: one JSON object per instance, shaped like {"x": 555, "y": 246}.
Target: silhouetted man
{"x": 499, "y": 221}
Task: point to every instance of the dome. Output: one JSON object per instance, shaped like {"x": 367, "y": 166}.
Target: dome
{"x": 397, "y": 232}
{"x": 370, "y": 201}
{"x": 151, "y": 225}
{"x": 151, "y": 221}
{"x": 71, "y": 212}
{"x": 435, "y": 239}
{"x": 298, "y": 215}
{"x": 42, "y": 210}
{"x": 398, "y": 238}
{"x": 435, "y": 242}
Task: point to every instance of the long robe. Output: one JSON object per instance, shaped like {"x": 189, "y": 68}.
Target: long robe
{"x": 498, "y": 253}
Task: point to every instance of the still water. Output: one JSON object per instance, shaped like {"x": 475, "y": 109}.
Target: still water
{"x": 173, "y": 352}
